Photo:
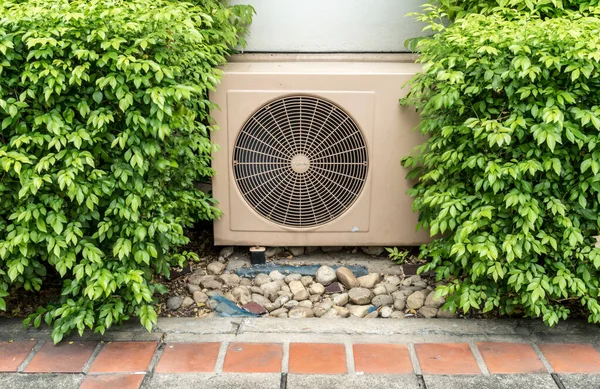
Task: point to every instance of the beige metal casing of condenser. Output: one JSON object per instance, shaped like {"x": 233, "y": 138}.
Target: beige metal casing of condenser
{"x": 303, "y": 96}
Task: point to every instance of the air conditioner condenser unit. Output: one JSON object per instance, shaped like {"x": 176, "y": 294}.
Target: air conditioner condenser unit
{"x": 310, "y": 154}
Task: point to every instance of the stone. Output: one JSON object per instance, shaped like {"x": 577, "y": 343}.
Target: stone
{"x": 289, "y": 295}
{"x": 401, "y": 295}
{"x": 399, "y": 305}
{"x": 382, "y": 300}
{"x": 305, "y": 303}
{"x": 246, "y": 282}
{"x": 215, "y": 268}
{"x": 300, "y": 312}
{"x": 273, "y": 251}
{"x": 331, "y": 314}
{"x": 360, "y": 296}
{"x": 316, "y": 288}
{"x": 282, "y": 315}
{"x": 342, "y": 311}
{"x": 187, "y": 301}
{"x": 230, "y": 279}
{"x": 416, "y": 300}
{"x": 325, "y": 275}
{"x": 271, "y": 288}
{"x": 411, "y": 280}
{"x": 290, "y": 304}
{"x": 301, "y": 295}
{"x": 276, "y": 275}
{"x": 359, "y": 310}
{"x": 256, "y": 289}
{"x": 331, "y": 249}
{"x": 379, "y": 289}
{"x": 296, "y": 251}
{"x": 282, "y": 300}
{"x": 261, "y": 300}
{"x": 261, "y": 279}
{"x": 211, "y": 284}
{"x": 221, "y": 259}
{"x": 390, "y": 288}
{"x": 212, "y": 304}
{"x": 193, "y": 288}
{"x": 200, "y": 297}
{"x": 255, "y": 308}
{"x": 174, "y": 303}
{"x": 386, "y": 312}
{"x": 420, "y": 284}
{"x": 347, "y": 278}
{"x": 432, "y": 301}
{"x": 229, "y": 296}
{"x": 444, "y": 314}
{"x": 334, "y": 287}
{"x": 410, "y": 289}
{"x": 292, "y": 277}
{"x": 320, "y": 309}
{"x": 397, "y": 315}
{"x": 369, "y": 280}
{"x": 272, "y": 306}
{"x": 226, "y": 252}
{"x": 315, "y": 298}
{"x": 373, "y": 250}
{"x": 278, "y": 312}
{"x": 271, "y": 296}
{"x": 197, "y": 279}
{"x": 212, "y": 293}
{"x": 394, "y": 280}
{"x": 427, "y": 312}
{"x": 306, "y": 280}
{"x": 285, "y": 288}
{"x": 341, "y": 299}
{"x": 296, "y": 286}
{"x": 372, "y": 315}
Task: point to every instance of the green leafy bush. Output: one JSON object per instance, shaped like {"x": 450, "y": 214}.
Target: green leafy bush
{"x": 104, "y": 133}
{"x": 544, "y": 8}
{"x": 509, "y": 177}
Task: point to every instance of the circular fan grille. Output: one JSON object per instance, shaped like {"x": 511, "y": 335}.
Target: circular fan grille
{"x": 300, "y": 161}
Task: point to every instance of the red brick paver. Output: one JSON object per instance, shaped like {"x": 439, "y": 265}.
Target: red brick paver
{"x": 188, "y": 357}
{"x": 12, "y": 354}
{"x": 446, "y": 358}
{"x": 572, "y": 358}
{"x": 506, "y": 358}
{"x": 66, "y": 357}
{"x": 382, "y": 358}
{"x": 117, "y": 381}
{"x": 317, "y": 358}
{"x": 253, "y": 358}
{"x": 124, "y": 357}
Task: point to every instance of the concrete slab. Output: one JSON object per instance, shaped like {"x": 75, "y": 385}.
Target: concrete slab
{"x": 211, "y": 325}
{"x": 342, "y": 258}
{"x": 40, "y": 381}
{"x": 217, "y": 381}
{"x": 580, "y": 381}
{"x": 300, "y": 381}
{"x": 513, "y": 381}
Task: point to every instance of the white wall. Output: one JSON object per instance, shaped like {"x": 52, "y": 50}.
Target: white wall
{"x": 331, "y": 25}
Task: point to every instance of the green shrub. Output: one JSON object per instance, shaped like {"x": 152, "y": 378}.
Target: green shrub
{"x": 544, "y": 8}
{"x": 104, "y": 133}
{"x": 509, "y": 177}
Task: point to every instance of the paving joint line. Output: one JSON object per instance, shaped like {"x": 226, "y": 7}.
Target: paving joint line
{"x": 421, "y": 381}
{"x": 158, "y": 352}
{"x": 478, "y": 358}
{"x": 542, "y": 358}
{"x": 34, "y": 350}
{"x": 412, "y": 353}
{"x": 283, "y": 381}
{"x": 221, "y": 357}
{"x": 285, "y": 358}
{"x": 557, "y": 381}
{"x": 92, "y": 358}
{"x": 349, "y": 352}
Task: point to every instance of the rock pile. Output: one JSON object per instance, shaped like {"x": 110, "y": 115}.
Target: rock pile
{"x": 331, "y": 294}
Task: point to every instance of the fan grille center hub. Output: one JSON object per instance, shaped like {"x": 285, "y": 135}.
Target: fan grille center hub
{"x": 300, "y": 163}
